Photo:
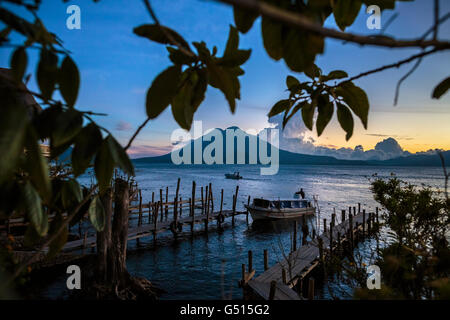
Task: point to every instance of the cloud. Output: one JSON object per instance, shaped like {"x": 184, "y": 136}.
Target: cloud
{"x": 148, "y": 151}
{"x": 296, "y": 138}
{"x": 123, "y": 126}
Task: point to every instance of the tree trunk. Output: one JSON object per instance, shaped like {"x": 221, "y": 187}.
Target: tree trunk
{"x": 117, "y": 252}
{"x": 104, "y": 238}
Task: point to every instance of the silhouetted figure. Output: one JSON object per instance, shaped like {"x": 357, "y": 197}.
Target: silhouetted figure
{"x": 301, "y": 193}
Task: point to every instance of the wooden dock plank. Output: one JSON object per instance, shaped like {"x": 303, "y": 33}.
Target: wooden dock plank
{"x": 301, "y": 262}
{"x": 282, "y": 292}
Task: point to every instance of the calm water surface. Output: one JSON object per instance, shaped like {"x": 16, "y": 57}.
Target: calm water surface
{"x": 209, "y": 266}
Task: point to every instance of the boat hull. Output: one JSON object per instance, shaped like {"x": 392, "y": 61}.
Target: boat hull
{"x": 259, "y": 213}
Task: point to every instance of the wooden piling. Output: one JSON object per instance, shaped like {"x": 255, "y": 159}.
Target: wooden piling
{"x": 193, "y": 199}
{"x": 151, "y": 212}
{"x": 167, "y": 201}
{"x": 331, "y": 238}
{"x": 266, "y": 260}
{"x": 273, "y": 288}
{"x": 359, "y": 207}
{"x": 339, "y": 242}
{"x": 311, "y": 289}
{"x": 333, "y": 219}
{"x": 140, "y": 208}
{"x": 161, "y": 200}
{"x": 211, "y": 197}
{"x": 320, "y": 249}
{"x": 203, "y": 204}
{"x": 350, "y": 230}
{"x": 232, "y": 214}
{"x": 324, "y": 225}
{"x": 364, "y": 223}
{"x": 208, "y": 199}
{"x": 192, "y": 202}
{"x": 178, "y": 188}
{"x": 234, "y": 205}
{"x": 219, "y": 221}
{"x": 155, "y": 220}
{"x": 342, "y": 215}
{"x": 248, "y": 204}
{"x": 294, "y": 245}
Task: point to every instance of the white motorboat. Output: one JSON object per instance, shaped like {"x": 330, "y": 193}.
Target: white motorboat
{"x": 262, "y": 209}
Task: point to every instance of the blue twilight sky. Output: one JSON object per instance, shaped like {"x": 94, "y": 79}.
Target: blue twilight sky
{"x": 117, "y": 67}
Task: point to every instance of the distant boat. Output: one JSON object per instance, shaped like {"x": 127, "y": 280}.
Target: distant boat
{"x": 235, "y": 176}
{"x": 262, "y": 209}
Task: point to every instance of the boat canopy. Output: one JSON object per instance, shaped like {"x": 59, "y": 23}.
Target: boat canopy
{"x": 281, "y": 204}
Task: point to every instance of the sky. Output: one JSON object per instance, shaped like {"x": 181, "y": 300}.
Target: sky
{"x": 117, "y": 67}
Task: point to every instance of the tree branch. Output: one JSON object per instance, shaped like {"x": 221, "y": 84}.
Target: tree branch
{"x": 436, "y": 19}
{"x": 390, "y": 66}
{"x": 299, "y": 21}
{"x": 136, "y": 133}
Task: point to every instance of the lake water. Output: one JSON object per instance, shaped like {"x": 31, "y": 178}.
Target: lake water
{"x": 209, "y": 266}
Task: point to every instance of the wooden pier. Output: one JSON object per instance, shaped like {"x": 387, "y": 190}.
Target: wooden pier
{"x": 278, "y": 281}
{"x": 160, "y": 216}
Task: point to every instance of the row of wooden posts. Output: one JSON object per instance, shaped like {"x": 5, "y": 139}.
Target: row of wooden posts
{"x": 335, "y": 247}
{"x": 160, "y": 209}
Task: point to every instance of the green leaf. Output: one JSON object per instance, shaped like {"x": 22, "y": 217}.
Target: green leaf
{"x": 47, "y": 73}
{"x": 45, "y": 121}
{"x": 345, "y": 12}
{"x": 71, "y": 193}
{"x": 161, "y": 34}
{"x": 441, "y": 88}
{"x": 356, "y": 99}
{"x": 244, "y": 19}
{"x": 313, "y": 71}
{"x": 337, "y": 74}
{"x": 58, "y": 243}
{"x": 17, "y": 23}
{"x": 232, "y": 42}
{"x": 19, "y": 61}
{"x": 297, "y": 107}
{"x": 237, "y": 58}
{"x": 182, "y": 109}
{"x": 300, "y": 49}
{"x": 104, "y": 166}
{"x": 32, "y": 201}
{"x": 13, "y": 128}
{"x": 67, "y": 126}
{"x": 119, "y": 156}
{"x": 69, "y": 81}
{"x": 97, "y": 214}
{"x": 272, "y": 33}
{"x": 37, "y": 165}
{"x": 292, "y": 82}
{"x": 200, "y": 89}
{"x": 325, "y": 108}
{"x": 279, "y": 107}
{"x": 162, "y": 91}
{"x": 86, "y": 145}
{"x": 307, "y": 115}
{"x": 179, "y": 57}
{"x": 222, "y": 79}
{"x": 345, "y": 119}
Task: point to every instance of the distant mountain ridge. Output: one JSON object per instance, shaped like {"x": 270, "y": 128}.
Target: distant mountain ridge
{"x": 287, "y": 157}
